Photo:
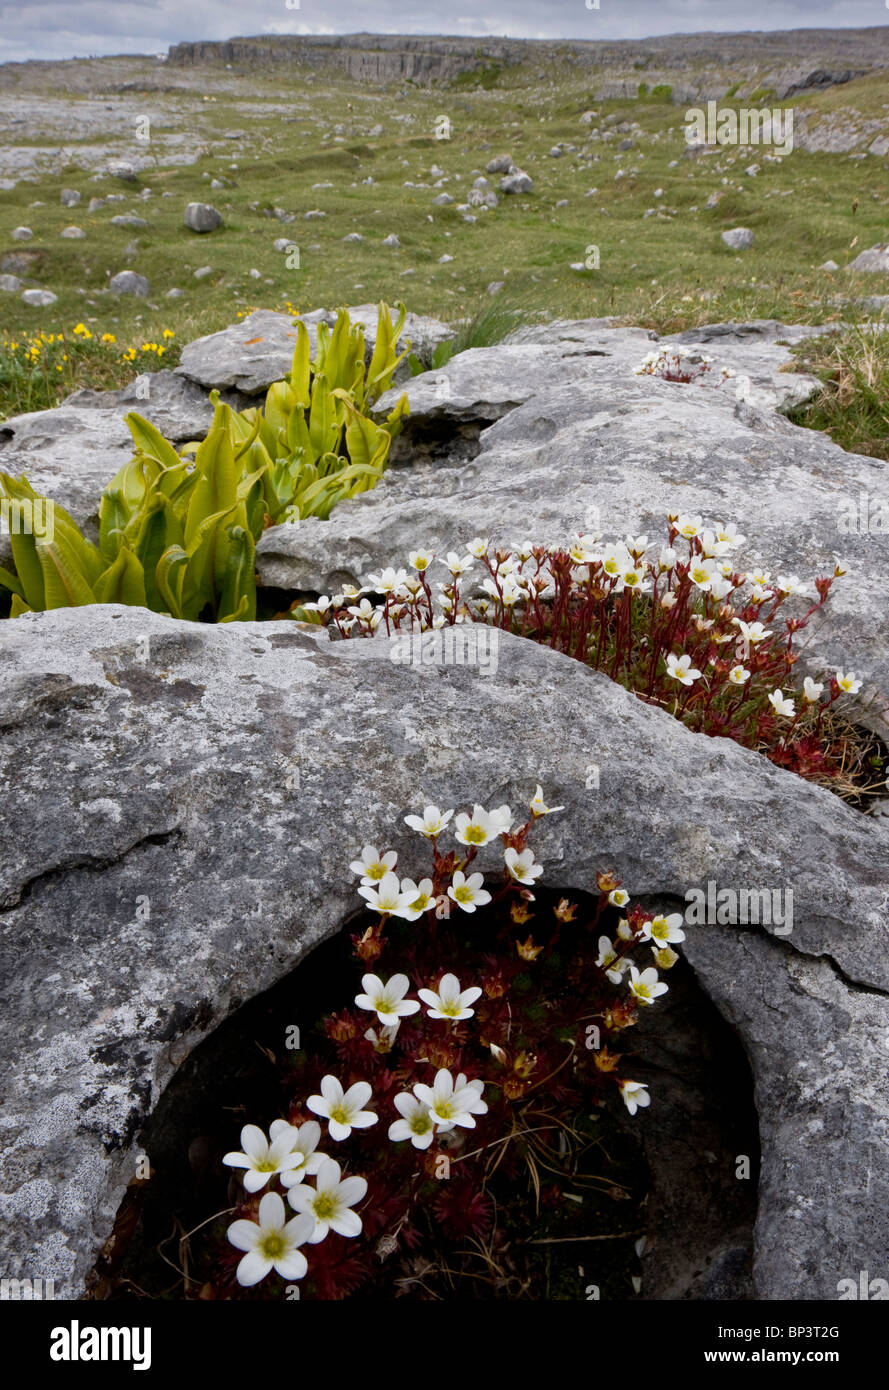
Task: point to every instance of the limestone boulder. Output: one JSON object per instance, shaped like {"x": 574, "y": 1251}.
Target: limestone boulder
{"x": 533, "y": 441}
{"x": 224, "y": 777}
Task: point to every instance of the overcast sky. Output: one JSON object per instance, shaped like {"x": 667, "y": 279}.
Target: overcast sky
{"x": 76, "y": 28}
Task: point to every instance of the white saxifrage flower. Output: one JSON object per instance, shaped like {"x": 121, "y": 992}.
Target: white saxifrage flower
{"x": 752, "y": 632}
{"x": 681, "y": 669}
{"x": 662, "y": 930}
{"x": 272, "y": 1242}
{"x": 452, "y": 1101}
{"x": 343, "y": 1109}
{"x": 388, "y": 896}
{"x": 449, "y": 1001}
{"x": 645, "y": 984}
{"x": 432, "y": 822}
{"x": 790, "y": 584}
{"x": 383, "y": 1041}
{"x": 419, "y": 896}
{"x": 729, "y": 535}
{"x": 386, "y": 1000}
{"x": 582, "y": 551}
{"x": 308, "y": 1137}
{"x": 635, "y": 580}
{"x": 538, "y": 807}
{"x": 689, "y": 526}
{"x": 720, "y": 586}
{"x": 365, "y": 612}
{"x": 781, "y": 704}
{"x": 511, "y": 590}
{"x": 607, "y": 954}
{"x": 701, "y": 572}
{"x": 482, "y": 826}
{"x": 738, "y": 675}
{"x": 811, "y": 690}
{"x": 329, "y": 1203}
{"x": 634, "y": 1095}
{"x": 846, "y": 681}
{"x": 522, "y": 867}
{"x": 618, "y": 897}
{"x": 388, "y": 581}
{"x": 263, "y": 1157}
{"x": 616, "y": 559}
{"x": 416, "y": 1122}
{"x": 457, "y": 564}
{"x": 502, "y": 817}
{"x": 468, "y": 893}
{"x": 373, "y": 866}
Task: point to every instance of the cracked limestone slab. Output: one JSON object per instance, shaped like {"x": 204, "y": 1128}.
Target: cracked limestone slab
{"x": 71, "y": 452}
{"x": 486, "y": 383}
{"x": 612, "y": 452}
{"x": 828, "y": 1097}
{"x": 149, "y": 761}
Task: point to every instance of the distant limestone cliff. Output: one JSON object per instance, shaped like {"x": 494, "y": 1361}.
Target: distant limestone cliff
{"x": 693, "y": 65}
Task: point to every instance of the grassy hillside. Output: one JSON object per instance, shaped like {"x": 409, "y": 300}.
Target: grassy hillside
{"x": 661, "y": 258}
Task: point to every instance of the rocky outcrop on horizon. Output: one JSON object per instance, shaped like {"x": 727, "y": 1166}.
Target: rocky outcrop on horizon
{"x": 695, "y": 65}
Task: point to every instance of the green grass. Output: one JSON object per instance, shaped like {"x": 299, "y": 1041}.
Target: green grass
{"x": 493, "y": 320}
{"x": 853, "y": 404}
{"x": 486, "y": 76}
{"x": 668, "y": 272}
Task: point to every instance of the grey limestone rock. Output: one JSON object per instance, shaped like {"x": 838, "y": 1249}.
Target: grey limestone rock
{"x": 169, "y": 750}
{"x": 739, "y": 238}
{"x": 128, "y": 282}
{"x": 875, "y": 260}
{"x": 566, "y": 432}
{"x": 201, "y": 217}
